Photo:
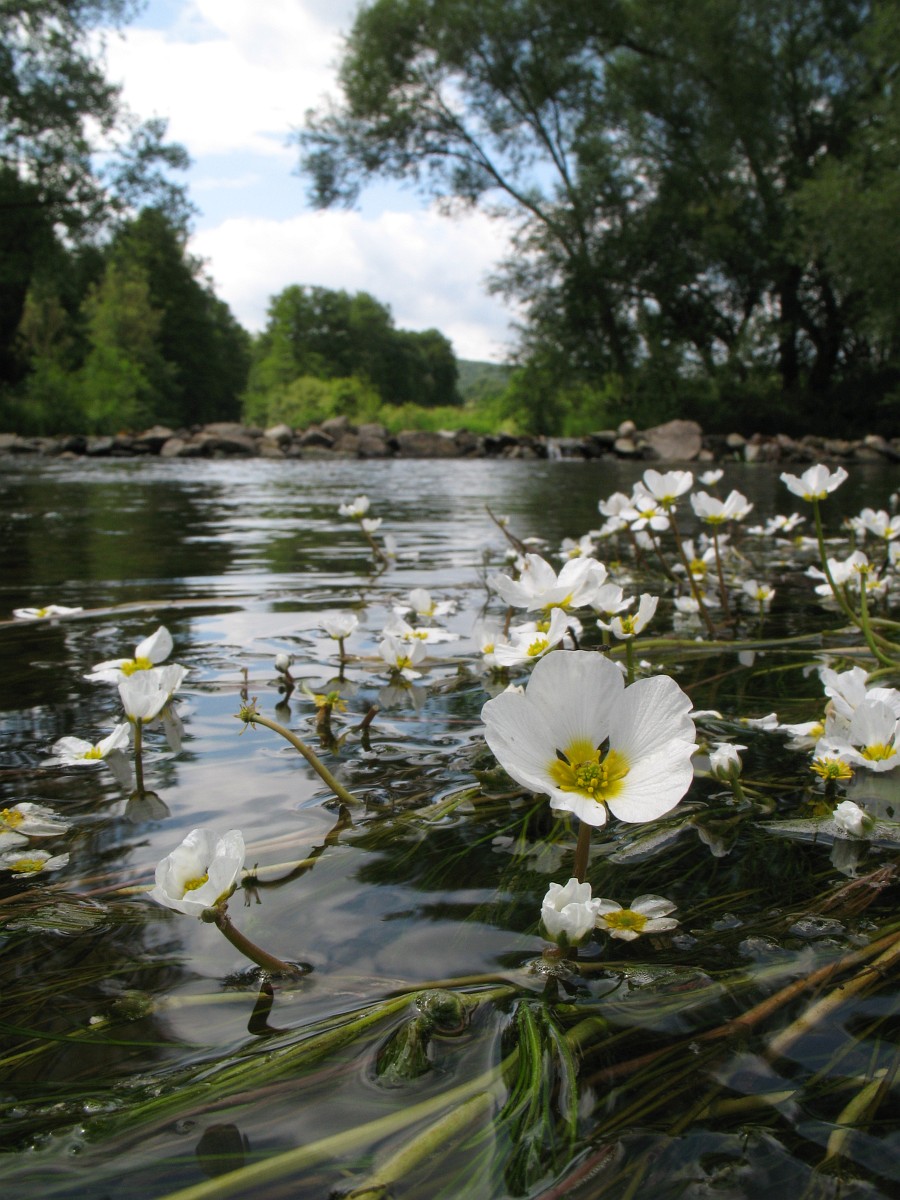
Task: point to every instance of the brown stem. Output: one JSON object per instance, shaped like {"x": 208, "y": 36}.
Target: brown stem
{"x": 250, "y": 950}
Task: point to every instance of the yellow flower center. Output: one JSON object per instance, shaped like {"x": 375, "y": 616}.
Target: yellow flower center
{"x": 831, "y": 768}
{"x": 403, "y": 661}
{"x": 878, "y": 752}
{"x": 487, "y": 648}
{"x": 135, "y": 664}
{"x": 625, "y": 918}
{"x": 94, "y": 752}
{"x": 193, "y": 884}
{"x": 585, "y": 769}
{"x": 538, "y": 646}
{"x": 27, "y": 866}
{"x": 11, "y": 818}
{"x": 43, "y": 612}
{"x": 698, "y": 566}
{"x": 627, "y": 626}
{"x": 420, "y": 634}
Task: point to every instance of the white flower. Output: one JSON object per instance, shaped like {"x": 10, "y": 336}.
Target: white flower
{"x": 870, "y": 737}
{"x": 145, "y": 695}
{"x": 371, "y": 524}
{"x": 201, "y": 872}
{"x": 356, "y": 509}
{"x": 710, "y": 478}
{"x": 147, "y": 654}
{"x": 610, "y": 599}
{"x": 630, "y": 626}
{"x": 667, "y": 487}
{"x": 421, "y": 603}
{"x": 648, "y": 914}
{"x": 75, "y": 751}
{"x": 762, "y": 593}
{"x": 851, "y": 820}
{"x": 396, "y": 627}
{"x": 880, "y": 523}
{"x": 31, "y": 820}
{"x": 568, "y": 913}
{"x": 645, "y": 510}
{"x": 725, "y": 761}
{"x": 23, "y": 864}
{"x": 44, "y": 613}
{"x": 778, "y": 524}
{"x": 402, "y": 657}
{"x": 338, "y": 624}
{"x": 529, "y": 641}
{"x": 583, "y": 547}
{"x": 716, "y": 512}
{"x": 580, "y": 736}
{"x": 283, "y": 662}
{"x": 816, "y": 483}
{"x": 539, "y": 586}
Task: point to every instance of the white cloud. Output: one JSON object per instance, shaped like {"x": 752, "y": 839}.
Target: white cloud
{"x": 430, "y": 269}
{"x": 230, "y": 74}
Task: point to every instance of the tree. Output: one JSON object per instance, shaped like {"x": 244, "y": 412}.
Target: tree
{"x": 326, "y": 334}
{"x": 57, "y": 113}
{"x": 206, "y": 351}
{"x": 651, "y": 155}
{"x": 124, "y": 373}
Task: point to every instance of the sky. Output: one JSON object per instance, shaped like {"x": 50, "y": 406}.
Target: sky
{"x": 234, "y": 79}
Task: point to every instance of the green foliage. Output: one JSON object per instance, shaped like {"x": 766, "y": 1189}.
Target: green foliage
{"x": 318, "y": 333}
{"x": 124, "y": 372}
{"x": 701, "y": 193}
{"x": 309, "y": 401}
{"x": 73, "y": 160}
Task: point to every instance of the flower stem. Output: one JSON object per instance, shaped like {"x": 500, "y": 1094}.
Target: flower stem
{"x": 139, "y": 757}
{"x": 251, "y": 716}
{"x": 249, "y": 949}
{"x": 582, "y": 850}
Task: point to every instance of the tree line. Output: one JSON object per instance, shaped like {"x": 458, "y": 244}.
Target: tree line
{"x": 705, "y": 195}
{"x": 706, "y": 199}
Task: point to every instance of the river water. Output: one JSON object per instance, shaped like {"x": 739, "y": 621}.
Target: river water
{"x": 115, "y": 1007}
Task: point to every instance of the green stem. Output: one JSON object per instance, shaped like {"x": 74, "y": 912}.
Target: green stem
{"x": 246, "y": 1180}
{"x": 138, "y": 757}
{"x": 249, "y": 949}
{"x": 629, "y": 659}
{"x": 582, "y": 851}
{"x": 867, "y": 628}
{"x": 723, "y": 591}
{"x": 250, "y": 716}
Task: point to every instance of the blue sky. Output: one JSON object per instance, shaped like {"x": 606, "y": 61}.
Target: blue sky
{"x": 234, "y": 78}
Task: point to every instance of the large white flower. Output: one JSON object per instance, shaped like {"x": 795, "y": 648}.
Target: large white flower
{"x": 568, "y": 913}
{"x": 147, "y": 654}
{"x": 580, "y": 736}
{"x": 31, "y": 820}
{"x": 201, "y": 872}
{"x": 540, "y": 588}
{"x": 814, "y": 484}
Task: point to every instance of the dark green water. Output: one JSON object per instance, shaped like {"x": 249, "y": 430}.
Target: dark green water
{"x": 136, "y": 1058}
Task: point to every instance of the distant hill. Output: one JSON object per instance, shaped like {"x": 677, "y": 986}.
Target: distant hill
{"x": 479, "y": 379}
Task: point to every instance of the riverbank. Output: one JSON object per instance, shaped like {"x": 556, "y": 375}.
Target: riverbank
{"x": 675, "y": 441}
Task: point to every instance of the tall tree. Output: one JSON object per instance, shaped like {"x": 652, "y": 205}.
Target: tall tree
{"x": 650, "y": 153}
{"x": 57, "y": 110}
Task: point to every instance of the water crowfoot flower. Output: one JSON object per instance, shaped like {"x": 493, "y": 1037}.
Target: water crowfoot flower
{"x": 32, "y": 820}
{"x": 147, "y": 654}
{"x": 197, "y": 879}
{"x": 45, "y": 613}
{"x": 648, "y": 914}
{"x": 200, "y": 873}
{"x": 851, "y": 820}
{"x": 568, "y": 914}
{"x": 594, "y": 746}
{"x": 814, "y": 484}
{"x": 24, "y": 864}
{"x": 76, "y": 752}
